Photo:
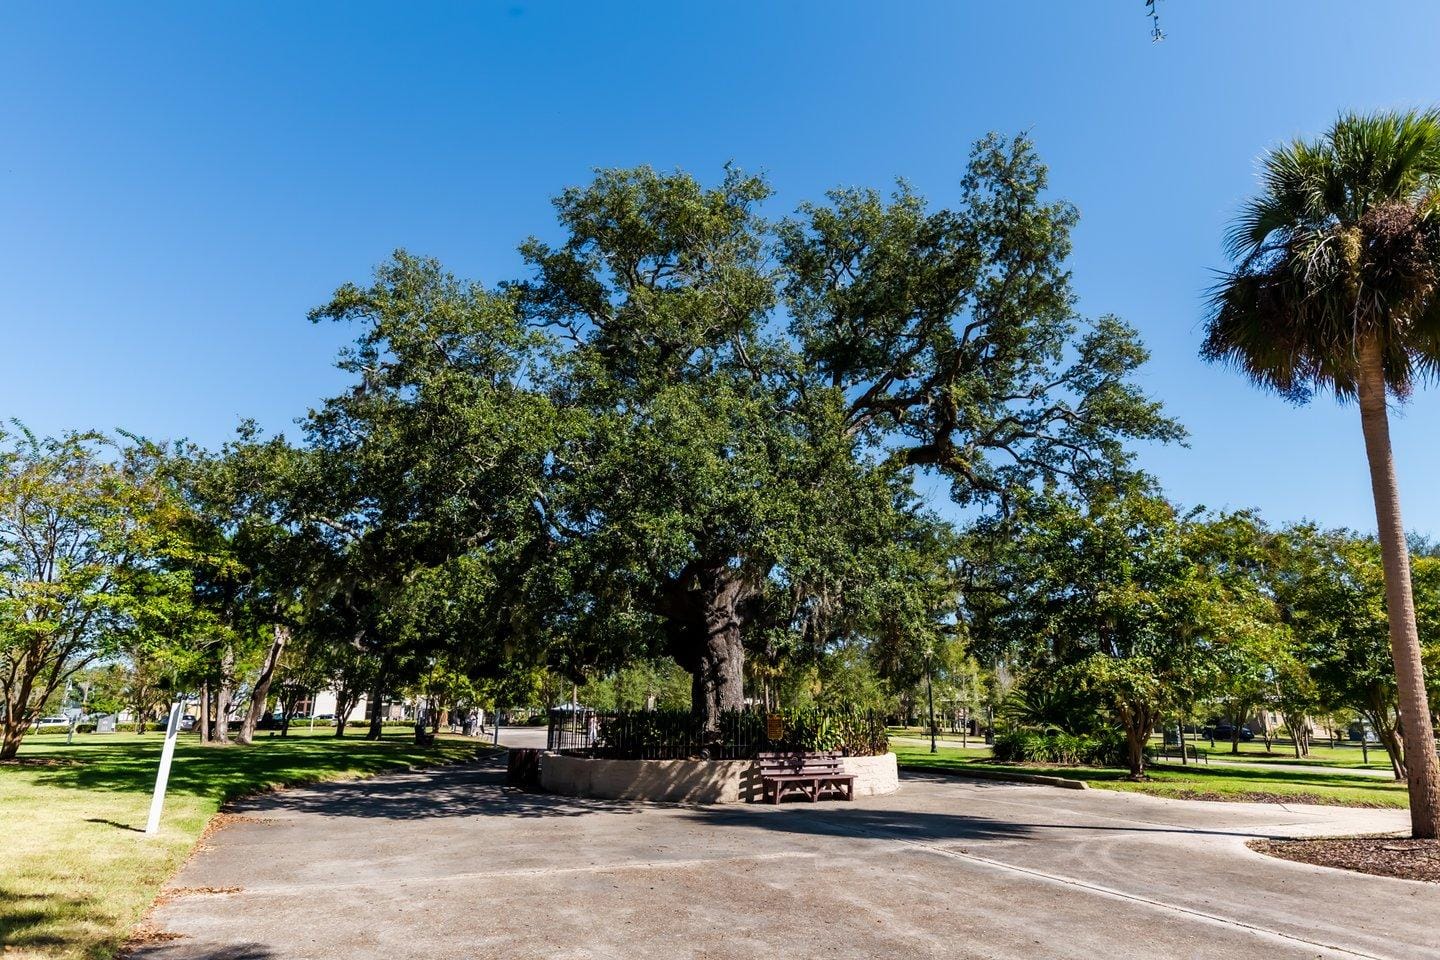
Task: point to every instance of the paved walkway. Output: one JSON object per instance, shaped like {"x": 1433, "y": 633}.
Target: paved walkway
{"x": 1225, "y": 761}
{"x": 1294, "y": 768}
{"x": 450, "y": 863}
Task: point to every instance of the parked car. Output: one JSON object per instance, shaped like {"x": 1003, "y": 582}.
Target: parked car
{"x": 57, "y": 721}
{"x": 1226, "y": 731}
{"x": 188, "y": 723}
{"x": 324, "y": 716}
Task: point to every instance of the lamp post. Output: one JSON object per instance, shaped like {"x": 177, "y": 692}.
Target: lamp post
{"x": 930, "y": 696}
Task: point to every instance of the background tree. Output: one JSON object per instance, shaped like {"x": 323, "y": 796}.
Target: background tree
{"x": 426, "y": 471}
{"x": 82, "y": 523}
{"x": 1120, "y": 603}
{"x": 1296, "y": 696}
{"x": 250, "y": 565}
{"x": 103, "y": 687}
{"x": 1243, "y": 642}
{"x": 1334, "y": 287}
{"x": 1330, "y": 588}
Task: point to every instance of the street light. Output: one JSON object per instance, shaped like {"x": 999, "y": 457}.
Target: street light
{"x": 930, "y": 695}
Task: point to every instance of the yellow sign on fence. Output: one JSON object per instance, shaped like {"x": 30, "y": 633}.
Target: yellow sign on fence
{"x": 774, "y": 727}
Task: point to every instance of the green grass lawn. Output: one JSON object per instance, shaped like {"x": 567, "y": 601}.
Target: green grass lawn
{"x": 972, "y": 743}
{"x": 76, "y": 871}
{"x": 1191, "y": 782}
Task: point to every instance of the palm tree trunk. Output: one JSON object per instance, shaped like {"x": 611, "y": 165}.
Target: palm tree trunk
{"x": 1422, "y": 764}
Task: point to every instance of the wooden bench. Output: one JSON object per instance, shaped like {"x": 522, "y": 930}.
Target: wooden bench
{"x": 807, "y": 773}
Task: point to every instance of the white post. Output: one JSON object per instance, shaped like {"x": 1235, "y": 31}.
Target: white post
{"x": 167, "y": 754}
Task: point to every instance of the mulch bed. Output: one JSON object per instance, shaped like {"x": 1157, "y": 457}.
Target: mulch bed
{"x": 1381, "y": 856}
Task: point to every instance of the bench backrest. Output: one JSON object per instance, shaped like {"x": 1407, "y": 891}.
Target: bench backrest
{"x": 823, "y": 762}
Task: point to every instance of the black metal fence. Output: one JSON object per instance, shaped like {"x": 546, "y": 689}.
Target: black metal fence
{"x": 740, "y": 734}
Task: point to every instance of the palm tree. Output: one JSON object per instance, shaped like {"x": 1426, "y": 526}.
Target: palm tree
{"x": 1335, "y": 287}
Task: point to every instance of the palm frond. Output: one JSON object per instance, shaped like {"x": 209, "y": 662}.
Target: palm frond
{"x": 1340, "y": 245}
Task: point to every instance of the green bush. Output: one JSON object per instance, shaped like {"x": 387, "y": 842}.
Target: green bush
{"x": 853, "y": 732}
{"x": 1028, "y": 745}
{"x": 662, "y": 734}
{"x": 88, "y": 727}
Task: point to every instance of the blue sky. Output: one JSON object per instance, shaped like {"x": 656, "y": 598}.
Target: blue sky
{"x": 179, "y": 183}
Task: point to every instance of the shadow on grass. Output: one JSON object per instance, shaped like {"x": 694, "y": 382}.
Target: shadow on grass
{"x": 114, "y": 823}
{"x": 31, "y": 921}
{"x": 223, "y": 773}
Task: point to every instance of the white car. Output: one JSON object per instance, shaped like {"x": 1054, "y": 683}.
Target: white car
{"x": 52, "y": 722}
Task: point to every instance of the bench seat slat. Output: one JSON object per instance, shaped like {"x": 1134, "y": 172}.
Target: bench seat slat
{"x": 809, "y": 776}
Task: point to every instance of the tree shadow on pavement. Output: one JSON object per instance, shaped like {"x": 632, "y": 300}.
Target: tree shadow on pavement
{"x": 842, "y": 819}
{"x": 183, "y": 948}
{"x": 473, "y": 790}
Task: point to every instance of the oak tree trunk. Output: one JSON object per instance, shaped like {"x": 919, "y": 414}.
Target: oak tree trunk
{"x": 1135, "y": 738}
{"x": 707, "y": 616}
{"x": 224, "y": 697}
{"x": 262, "y": 685}
{"x": 20, "y": 706}
{"x": 12, "y": 731}
{"x": 377, "y": 695}
{"x": 204, "y": 712}
{"x": 1422, "y": 764}
{"x": 344, "y": 703}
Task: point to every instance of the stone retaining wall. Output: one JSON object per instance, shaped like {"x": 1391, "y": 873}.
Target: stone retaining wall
{"x": 874, "y": 775}
{"x": 689, "y": 781}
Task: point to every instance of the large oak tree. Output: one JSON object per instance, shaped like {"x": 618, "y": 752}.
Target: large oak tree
{"x": 758, "y": 397}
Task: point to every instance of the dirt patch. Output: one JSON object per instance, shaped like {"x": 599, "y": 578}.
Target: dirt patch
{"x": 219, "y": 822}
{"x": 1256, "y": 796}
{"x": 145, "y": 935}
{"x": 1381, "y": 856}
{"x": 39, "y": 762}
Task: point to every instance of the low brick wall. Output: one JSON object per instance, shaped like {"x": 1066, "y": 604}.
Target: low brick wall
{"x": 689, "y": 781}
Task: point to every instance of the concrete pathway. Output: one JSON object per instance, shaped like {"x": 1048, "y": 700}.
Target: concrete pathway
{"x": 979, "y": 743}
{"x": 1293, "y": 768}
{"x": 524, "y": 737}
{"x": 450, "y": 863}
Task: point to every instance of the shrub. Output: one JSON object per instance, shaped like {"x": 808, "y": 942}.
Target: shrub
{"x": 1029, "y": 745}
{"x": 853, "y": 732}
{"x": 662, "y": 734}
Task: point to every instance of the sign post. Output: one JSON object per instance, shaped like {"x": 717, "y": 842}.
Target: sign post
{"x": 167, "y": 754}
